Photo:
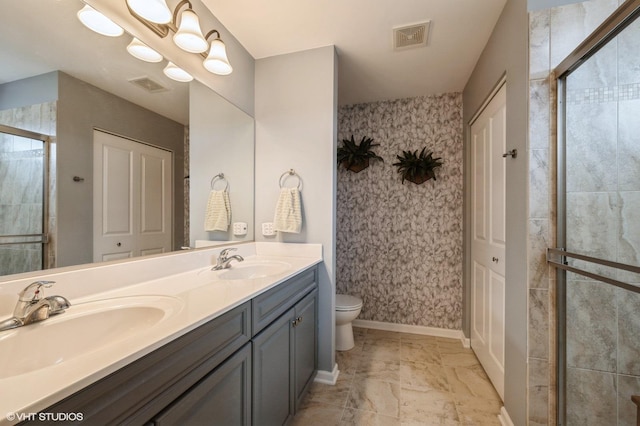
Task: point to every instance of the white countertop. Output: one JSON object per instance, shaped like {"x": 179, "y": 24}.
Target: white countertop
{"x": 197, "y": 297}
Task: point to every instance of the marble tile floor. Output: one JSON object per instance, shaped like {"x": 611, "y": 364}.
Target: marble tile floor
{"x": 393, "y": 378}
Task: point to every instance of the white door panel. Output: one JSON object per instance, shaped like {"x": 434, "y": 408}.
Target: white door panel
{"x": 488, "y": 137}
{"x": 117, "y": 191}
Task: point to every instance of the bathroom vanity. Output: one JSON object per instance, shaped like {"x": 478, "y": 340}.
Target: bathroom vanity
{"x": 249, "y": 363}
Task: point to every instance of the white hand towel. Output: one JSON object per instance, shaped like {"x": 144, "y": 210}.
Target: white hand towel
{"x": 218, "y": 214}
{"x": 288, "y": 217}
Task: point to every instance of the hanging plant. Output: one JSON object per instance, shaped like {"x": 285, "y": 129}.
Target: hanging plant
{"x": 417, "y": 168}
{"x": 354, "y": 156}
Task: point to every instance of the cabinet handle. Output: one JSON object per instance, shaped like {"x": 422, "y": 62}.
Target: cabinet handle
{"x": 296, "y": 321}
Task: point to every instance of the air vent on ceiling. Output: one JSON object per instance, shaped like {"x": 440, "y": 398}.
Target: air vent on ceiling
{"x": 414, "y": 35}
{"x": 147, "y": 84}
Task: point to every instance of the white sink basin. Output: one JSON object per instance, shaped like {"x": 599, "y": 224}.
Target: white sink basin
{"x": 83, "y": 328}
{"x": 249, "y": 270}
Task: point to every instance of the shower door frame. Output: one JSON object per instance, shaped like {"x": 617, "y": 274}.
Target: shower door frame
{"x": 608, "y": 30}
{"x": 44, "y": 236}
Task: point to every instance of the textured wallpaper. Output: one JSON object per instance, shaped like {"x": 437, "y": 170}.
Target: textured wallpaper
{"x": 399, "y": 246}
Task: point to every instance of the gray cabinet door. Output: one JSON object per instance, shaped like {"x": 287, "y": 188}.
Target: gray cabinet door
{"x": 221, "y": 398}
{"x": 272, "y": 352}
{"x": 305, "y": 341}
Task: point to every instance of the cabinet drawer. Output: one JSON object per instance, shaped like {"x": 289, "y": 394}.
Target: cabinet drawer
{"x": 268, "y": 306}
{"x": 221, "y": 398}
{"x": 137, "y": 392}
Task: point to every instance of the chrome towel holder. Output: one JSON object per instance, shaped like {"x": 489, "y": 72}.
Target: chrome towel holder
{"x": 287, "y": 174}
{"x": 220, "y": 176}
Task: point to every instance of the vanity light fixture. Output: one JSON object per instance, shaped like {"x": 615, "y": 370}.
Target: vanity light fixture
{"x": 99, "y": 23}
{"x": 187, "y": 36}
{"x": 143, "y": 52}
{"x": 176, "y": 73}
{"x": 217, "y": 61}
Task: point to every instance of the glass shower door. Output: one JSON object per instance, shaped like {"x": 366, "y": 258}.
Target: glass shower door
{"x": 23, "y": 208}
{"x": 599, "y": 228}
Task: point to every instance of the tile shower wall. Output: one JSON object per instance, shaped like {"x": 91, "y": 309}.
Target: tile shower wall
{"x": 600, "y": 316}
{"x": 603, "y": 194}
{"x": 40, "y": 118}
{"x": 399, "y": 246}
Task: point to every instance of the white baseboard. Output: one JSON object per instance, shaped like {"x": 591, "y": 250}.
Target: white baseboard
{"x": 413, "y": 329}
{"x": 466, "y": 342}
{"x": 328, "y": 377}
{"x": 504, "y": 418}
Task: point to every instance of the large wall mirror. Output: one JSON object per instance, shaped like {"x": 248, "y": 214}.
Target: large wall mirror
{"x": 60, "y": 79}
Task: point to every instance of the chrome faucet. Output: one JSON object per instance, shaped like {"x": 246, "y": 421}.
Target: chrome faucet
{"x": 224, "y": 259}
{"x": 33, "y": 307}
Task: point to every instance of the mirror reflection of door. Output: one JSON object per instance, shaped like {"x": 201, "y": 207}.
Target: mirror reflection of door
{"x": 23, "y": 208}
{"x": 132, "y": 198}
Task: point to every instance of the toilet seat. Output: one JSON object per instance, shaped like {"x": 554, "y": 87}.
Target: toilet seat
{"x": 346, "y": 302}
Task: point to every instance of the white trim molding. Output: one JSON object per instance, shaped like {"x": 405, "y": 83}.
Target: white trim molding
{"x": 328, "y": 377}
{"x": 504, "y": 418}
{"x": 413, "y": 329}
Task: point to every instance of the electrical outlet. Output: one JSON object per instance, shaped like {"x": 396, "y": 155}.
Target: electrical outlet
{"x": 267, "y": 229}
{"x": 239, "y": 229}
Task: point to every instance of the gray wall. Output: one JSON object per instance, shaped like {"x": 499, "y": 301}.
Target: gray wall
{"x": 296, "y": 128}
{"x": 81, "y": 108}
{"x": 221, "y": 141}
{"x": 29, "y": 91}
{"x": 506, "y": 53}
{"x": 418, "y": 228}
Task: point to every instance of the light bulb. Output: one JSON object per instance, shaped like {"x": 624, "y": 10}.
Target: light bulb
{"x": 189, "y": 35}
{"x": 152, "y": 10}
{"x": 176, "y": 73}
{"x": 99, "y": 23}
{"x": 143, "y": 52}
{"x": 217, "y": 61}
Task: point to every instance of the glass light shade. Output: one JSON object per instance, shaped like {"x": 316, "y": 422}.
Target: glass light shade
{"x": 189, "y": 35}
{"x": 152, "y": 10}
{"x": 143, "y": 52}
{"x": 99, "y": 23}
{"x": 177, "y": 74}
{"x": 217, "y": 61}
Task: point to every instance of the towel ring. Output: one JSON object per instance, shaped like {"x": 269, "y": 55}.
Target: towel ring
{"x": 220, "y": 176}
{"x": 290, "y": 172}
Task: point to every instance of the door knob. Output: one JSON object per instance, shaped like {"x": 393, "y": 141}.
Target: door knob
{"x": 118, "y": 244}
{"x": 495, "y": 259}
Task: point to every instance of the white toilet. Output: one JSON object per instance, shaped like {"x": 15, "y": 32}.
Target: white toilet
{"x": 347, "y": 309}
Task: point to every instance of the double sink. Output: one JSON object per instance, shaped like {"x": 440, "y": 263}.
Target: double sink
{"x": 92, "y": 325}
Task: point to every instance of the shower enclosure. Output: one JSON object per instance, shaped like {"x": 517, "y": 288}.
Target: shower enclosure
{"x": 598, "y": 291}
{"x": 23, "y": 201}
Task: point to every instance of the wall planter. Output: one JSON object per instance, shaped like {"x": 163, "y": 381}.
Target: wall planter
{"x": 417, "y": 168}
{"x": 356, "y": 156}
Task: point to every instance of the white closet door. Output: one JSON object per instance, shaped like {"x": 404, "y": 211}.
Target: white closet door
{"x": 132, "y": 198}
{"x": 488, "y": 141}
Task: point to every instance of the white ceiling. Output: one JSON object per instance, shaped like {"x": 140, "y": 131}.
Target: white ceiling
{"x": 369, "y": 69}
{"x": 361, "y": 30}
